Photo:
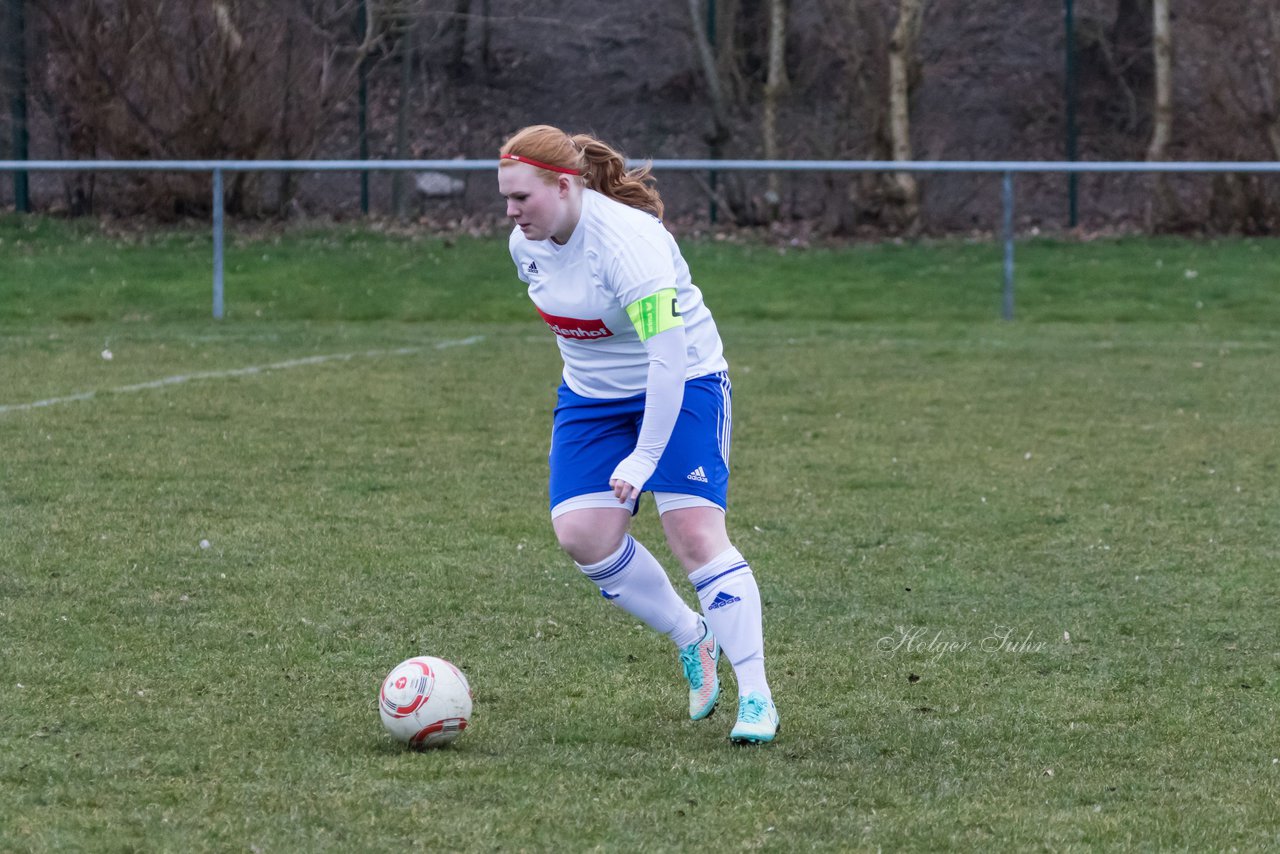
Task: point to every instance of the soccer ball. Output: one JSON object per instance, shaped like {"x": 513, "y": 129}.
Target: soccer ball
{"x": 425, "y": 702}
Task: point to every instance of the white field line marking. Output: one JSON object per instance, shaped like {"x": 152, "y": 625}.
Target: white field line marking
{"x": 236, "y": 372}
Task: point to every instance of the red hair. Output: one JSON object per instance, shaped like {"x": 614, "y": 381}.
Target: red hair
{"x": 601, "y": 167}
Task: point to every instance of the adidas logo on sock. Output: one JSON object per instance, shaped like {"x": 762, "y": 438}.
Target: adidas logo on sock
{"x": 698, "y": 474}
{"x": 721, "y": 600}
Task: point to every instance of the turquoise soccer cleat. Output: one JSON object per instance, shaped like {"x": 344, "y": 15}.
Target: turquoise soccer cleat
{"x": 758, "y": 720}
{"x": 699, "y": 660}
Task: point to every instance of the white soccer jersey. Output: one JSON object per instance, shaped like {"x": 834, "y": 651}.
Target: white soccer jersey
{"x": 617, "y": 256}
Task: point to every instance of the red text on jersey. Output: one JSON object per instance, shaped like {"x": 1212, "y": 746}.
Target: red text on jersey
{"x": 575, "y": 327}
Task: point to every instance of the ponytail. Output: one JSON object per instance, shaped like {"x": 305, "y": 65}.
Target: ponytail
{"x": 602, "y": 168}
{"x": 606, "y": 172}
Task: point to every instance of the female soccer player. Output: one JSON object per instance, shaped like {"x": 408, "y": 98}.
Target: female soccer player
{"x": 644, "y": 405}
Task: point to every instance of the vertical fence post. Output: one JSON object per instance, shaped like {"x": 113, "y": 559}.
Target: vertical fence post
{"x": 1073, "y": 217}
{"x": 1008, "y": 245}
{"x": 217, "y": 244}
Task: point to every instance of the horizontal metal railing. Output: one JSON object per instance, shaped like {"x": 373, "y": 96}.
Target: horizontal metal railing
{"x": 1006, "y": 168}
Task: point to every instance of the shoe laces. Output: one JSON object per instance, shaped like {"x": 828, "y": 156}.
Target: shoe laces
{"x": 753, "y": 709}
{"x": 691, "y": 659}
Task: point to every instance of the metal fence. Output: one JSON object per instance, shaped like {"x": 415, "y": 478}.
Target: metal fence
{"x": 1005, "y": 169}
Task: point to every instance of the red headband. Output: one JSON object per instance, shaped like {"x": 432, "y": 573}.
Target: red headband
{"x": 540, "y": 164}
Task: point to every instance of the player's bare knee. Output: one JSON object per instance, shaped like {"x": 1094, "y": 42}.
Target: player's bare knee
{"x": 585, "y": 541}
{"x": 695, "y": 550}
{"x": 695, "y": 538}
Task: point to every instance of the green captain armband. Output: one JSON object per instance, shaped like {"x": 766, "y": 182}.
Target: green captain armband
{"x": 655, "y": 314}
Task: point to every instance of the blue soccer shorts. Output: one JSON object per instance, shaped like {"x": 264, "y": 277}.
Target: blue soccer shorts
{"x": 590, "y": 436}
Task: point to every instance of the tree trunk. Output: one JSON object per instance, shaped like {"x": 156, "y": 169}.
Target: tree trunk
{"x": 706, "y": 58}
{"x": 487, "y": 61}
{"x": 399, "y": 202}
{"x": 1164, "y": 204}
{"x": 1271, "y": 82}
{"x": 775, "y": 86}
{"x": 286, "y": 184}
{"x": 18, "y": 101}
{"x": 903, "y": 60}
{"x": 457, "y": 31}
{"x": 1163, "y": 48}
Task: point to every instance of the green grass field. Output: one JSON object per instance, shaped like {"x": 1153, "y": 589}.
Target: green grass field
{"x": 1020, "y": 578}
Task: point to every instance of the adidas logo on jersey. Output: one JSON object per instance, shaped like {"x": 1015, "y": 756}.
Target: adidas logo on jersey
{"x": 722, "y": 599}
{"x": 699, "y": 474}
{"x": 533, "y": 268}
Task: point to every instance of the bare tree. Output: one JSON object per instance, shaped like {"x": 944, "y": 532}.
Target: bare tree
{"x": 455, "y": 30}
{"x": 1239, "y": 118}
{"x": 845, "y": 58}
{"x": 1164, "y": 202}
{"x": 775, "y": 86}
{"x": 1267, "y": 71}
{"x": 13, "y": 77}
{"x": 1163, "y": 52}
{"x": 869, "y": 54}
{"x": 405, "y": 28}
{"x": 743, "y": 65}
{"x": 244, "y": 79}
{"x": 721, "y": 111}
{"x": 904, "y": 73}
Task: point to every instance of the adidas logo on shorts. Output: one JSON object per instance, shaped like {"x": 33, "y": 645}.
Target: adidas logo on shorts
{"x": 699, "y": 474}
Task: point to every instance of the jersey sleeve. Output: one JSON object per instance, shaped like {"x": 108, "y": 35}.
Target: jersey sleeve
{"x": 641, "y": 266}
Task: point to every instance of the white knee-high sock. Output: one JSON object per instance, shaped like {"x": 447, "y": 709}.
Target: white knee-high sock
{"x": 632, "y": 579}
{"x": 731, "y": 603}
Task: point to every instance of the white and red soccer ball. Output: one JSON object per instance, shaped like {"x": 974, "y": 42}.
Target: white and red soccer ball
{"x": 425, "y": 702}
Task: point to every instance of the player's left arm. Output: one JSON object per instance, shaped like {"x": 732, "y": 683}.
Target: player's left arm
{"x": 658, "y": 322}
